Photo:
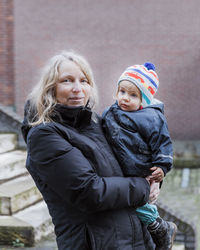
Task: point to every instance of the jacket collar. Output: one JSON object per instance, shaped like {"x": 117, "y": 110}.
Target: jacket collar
{"x": 76, "y": 117}
{"x": 156, "y": 105}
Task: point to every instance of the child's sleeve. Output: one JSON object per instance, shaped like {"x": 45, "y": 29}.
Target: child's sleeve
{"x": 161, "y": 144}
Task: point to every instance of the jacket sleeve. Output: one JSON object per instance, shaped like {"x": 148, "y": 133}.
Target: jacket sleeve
{"x": 160, "y": 143}
{"x": 68, "y": 173}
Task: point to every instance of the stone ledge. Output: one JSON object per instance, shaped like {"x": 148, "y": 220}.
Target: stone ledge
{"x": 12, "y": 229}
{"x": 8, "y": 142}
{"x": 18, "y": 194}
{"x": 27, "y": 226}
{"x": 12, "y": 164}
{"x": 187, "y": 233}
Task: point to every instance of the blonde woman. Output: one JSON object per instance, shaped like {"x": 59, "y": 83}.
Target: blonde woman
{"x": 92, "y": 205}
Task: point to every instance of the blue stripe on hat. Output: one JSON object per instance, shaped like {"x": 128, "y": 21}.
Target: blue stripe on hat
{"x": 146, "y": 98}
{"x": 149, "y": 78}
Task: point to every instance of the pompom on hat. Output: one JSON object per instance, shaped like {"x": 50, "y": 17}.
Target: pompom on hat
{"x": 145, "y": 78}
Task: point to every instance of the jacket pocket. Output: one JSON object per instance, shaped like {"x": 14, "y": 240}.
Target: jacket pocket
{"x": 89, "y": 239}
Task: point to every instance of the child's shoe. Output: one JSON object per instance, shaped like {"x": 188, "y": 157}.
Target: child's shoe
{"x": 163, "y": 233}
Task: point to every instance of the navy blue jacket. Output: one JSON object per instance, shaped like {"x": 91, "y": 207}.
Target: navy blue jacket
{"x": 140, "y": 139}
{"x": 92, "y": 205}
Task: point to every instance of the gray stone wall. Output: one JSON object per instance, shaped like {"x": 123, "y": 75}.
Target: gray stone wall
{"x": 11, "y": 122}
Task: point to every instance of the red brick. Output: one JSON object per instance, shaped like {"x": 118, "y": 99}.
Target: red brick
{"x": 6, "y": 53}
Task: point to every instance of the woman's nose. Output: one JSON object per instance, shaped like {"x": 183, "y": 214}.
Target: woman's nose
{"x": 76, "y": 86}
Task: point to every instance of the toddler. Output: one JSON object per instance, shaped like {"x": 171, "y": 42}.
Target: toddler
{"x": 137, "y": 131}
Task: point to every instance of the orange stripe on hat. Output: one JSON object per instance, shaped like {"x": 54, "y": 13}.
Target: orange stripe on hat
{"x": 151, "y": 90}
{"x": 135, "y": 76}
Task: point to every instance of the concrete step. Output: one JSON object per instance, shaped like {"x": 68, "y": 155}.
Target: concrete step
{"x": 27, "y": 226}
{"x": 12, "y": 229}
{"x": 8, "y": 142}
{"x": 12, "y": 164}
{"x": 17, "y": 194}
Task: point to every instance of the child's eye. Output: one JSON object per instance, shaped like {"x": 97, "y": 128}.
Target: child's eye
{"x": 134, "y": 95}
{"x": 122, "y": 91}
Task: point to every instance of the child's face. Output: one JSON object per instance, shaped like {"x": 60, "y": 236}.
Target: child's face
{"x": 128, "y": 96}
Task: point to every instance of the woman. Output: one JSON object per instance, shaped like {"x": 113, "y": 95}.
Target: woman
{"x": 92, "y": 205}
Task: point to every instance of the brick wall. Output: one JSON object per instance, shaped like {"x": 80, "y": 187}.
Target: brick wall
{"x": 6, "y": 53}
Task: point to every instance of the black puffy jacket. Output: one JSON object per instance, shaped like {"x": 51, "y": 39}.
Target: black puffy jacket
{"x": 91, "y": 203}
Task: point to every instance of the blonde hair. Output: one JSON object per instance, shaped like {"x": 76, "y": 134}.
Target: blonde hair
{"x": 42, "y": 99}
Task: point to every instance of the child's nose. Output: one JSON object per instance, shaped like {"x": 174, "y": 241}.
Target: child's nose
{"x": 126, "y": 97}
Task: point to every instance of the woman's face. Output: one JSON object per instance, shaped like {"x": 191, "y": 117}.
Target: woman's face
{"x": 72, "y": 88}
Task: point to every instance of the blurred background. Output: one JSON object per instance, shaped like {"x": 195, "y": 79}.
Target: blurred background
{"x": 111, "y": 35}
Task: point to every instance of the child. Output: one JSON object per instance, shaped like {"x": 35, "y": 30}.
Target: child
{"x": 138, "y": 133}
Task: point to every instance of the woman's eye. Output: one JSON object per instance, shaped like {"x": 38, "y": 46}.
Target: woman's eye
{"x": 67, "y": 80}
{"x": 84, "y": 81}
{"x": 122, "y": 91}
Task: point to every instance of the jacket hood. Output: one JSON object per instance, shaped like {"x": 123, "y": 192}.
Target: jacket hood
{"x": 156, "y": 104}
{"x": 76, "y": 117}
{"x": 28, "y": 116}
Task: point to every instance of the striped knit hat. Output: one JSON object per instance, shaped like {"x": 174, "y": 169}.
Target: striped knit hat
{"x": 145, "y": 78}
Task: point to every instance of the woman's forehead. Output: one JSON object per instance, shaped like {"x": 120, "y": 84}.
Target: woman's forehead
{"x": 70, "y": 68}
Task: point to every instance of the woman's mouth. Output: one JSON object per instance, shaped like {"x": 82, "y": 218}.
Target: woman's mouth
{"x": 76, "y": 98}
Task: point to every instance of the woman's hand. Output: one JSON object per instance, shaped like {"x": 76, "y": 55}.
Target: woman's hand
{"x": 148, "y": 179}
{"x": 154, "y": 191}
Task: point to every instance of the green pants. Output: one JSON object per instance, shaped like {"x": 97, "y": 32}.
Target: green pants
{"x": 147, "y": 213}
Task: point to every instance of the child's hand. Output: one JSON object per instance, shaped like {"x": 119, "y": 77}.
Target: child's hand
{"x": 157, "y": 174}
